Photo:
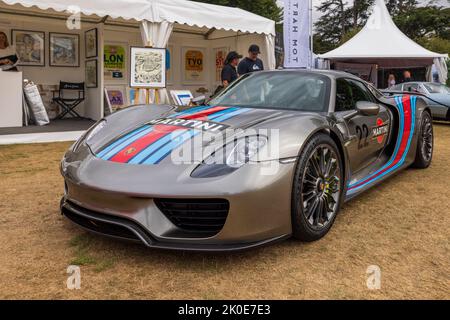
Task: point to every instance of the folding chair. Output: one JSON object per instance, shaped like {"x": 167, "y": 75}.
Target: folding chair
{"x": 70, "y": 95}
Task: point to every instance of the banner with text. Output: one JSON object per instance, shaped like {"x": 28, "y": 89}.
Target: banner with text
{"x": 297, "y": 31}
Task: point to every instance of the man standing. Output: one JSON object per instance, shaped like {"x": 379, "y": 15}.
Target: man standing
{"x": 407, "y": 76}
{"x": 251, "y": 63}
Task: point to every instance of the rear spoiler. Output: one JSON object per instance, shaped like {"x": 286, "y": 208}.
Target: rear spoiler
{"x": 388, "y": 94}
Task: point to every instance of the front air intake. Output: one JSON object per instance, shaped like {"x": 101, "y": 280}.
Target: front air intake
{"x": 206, "y": 216}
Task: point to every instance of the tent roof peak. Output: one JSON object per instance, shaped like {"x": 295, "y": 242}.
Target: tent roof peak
{"x": 380, "y": 38}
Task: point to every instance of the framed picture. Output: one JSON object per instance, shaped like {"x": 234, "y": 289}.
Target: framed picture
{"x": 116, "y": 98}
{"x": 193, "y": 65}
{"x": 107, "y": 108}
{"x": 64, "y": 50}
{"x": 148, "y": 67}
{"x": 30, "y": 47}
{"x": 114, "y": 62}
{"x": 91, "y": 73}
{"x": 220, "y": 54}
{"x": 90, "y": 43}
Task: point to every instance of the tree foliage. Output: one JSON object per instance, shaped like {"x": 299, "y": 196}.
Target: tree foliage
{"x": 425, "y": 21}
{"x": 338, "y": 20}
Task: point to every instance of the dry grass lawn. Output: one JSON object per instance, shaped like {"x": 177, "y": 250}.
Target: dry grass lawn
{"x": 403, "y": 226}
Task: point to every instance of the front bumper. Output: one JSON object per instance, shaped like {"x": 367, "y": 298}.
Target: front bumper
{"x": 118, "y": 200}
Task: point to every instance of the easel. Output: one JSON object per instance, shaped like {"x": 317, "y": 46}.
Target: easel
{"x": 147, "y": 90}
{"x": 147, "y": 94}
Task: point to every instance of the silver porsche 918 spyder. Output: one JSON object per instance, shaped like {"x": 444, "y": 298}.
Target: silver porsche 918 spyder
{"x": 331, "y": 137}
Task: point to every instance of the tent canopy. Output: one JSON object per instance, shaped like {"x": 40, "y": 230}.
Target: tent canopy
{"x": 182, "y": 12}
{"x": 380, "y": 38}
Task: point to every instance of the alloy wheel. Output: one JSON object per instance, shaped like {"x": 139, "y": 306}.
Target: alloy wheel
{"x": 321, "y": 187}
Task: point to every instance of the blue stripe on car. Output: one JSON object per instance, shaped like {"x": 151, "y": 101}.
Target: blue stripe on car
{"x": 165, "y": 150}
{"x": 106, "y": 153}
{"x": 147, "y": 152}
{"x": 402, "y": 160}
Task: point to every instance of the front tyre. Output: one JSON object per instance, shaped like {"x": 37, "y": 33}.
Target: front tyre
{"x": 317, "y": 190}
{"x": 425, "y": 143}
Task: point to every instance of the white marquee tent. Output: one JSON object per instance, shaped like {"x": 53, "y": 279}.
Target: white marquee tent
{"x": 158, "y": 18}
{"x": 381, "y": 42}
{"x": 161, "y": 22}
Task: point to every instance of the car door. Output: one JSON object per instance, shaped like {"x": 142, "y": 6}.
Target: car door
{"x": 369, "y": 133}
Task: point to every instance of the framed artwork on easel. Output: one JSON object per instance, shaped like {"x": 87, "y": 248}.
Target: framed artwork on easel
{"x": 148, "y": 68}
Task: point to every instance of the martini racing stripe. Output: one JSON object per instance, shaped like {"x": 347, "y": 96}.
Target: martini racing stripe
{"x": 227, "y": 116}
{"x": 151, "y": 144}
{"x": 152, "y": 148}
{"x": 145, "y": 146}
{"x": 204, "y": 113}
{"x": 137, "y": 146}
{"x": 189, "y": 111}
{"x": 118, "y": 145}
{"x": 165, "y": 150}
{"x": 407, "y": 108}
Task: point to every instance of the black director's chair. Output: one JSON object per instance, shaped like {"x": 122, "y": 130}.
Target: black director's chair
{"x": 69, "y": 96}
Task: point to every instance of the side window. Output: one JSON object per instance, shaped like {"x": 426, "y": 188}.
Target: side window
{"x": 344, "y": 96}
{"x": 411, "y": 87}
{"x": 360, "y": 92}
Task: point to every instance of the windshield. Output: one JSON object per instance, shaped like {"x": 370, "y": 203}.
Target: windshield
{"x": 278, "y": 90}
{"x": 436, "y": 88}
{"x": 375, "y": 91}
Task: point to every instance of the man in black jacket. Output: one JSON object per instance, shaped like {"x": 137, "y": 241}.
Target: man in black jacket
{"x": 251, "y": 63}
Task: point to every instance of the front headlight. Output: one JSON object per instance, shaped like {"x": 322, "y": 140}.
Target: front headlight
{"x": 89, "y": 134}
{"x": 230, "y": 158}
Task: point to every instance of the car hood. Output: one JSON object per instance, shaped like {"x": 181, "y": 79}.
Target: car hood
{"x": 148, "y": 136}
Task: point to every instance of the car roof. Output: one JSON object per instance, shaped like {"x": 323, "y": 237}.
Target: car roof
{"x": 421, "y": 82}
{"x": 330, "y": 73}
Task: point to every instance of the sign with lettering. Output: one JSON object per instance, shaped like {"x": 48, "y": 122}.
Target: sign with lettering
{"x": 114, "y": 62}
{"x": 297, "y": 33}
{"x": 194, "y": 60}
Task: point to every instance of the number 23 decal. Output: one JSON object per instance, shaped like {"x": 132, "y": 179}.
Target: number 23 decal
{"x": 363, "y": 136}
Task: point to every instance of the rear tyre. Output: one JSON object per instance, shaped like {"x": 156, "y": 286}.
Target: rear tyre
{"x": 425, "y": 143}
{"x": 318, "y": 188}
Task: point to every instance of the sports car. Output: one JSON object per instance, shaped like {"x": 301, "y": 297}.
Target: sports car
{"x": 273, "y": 156}
{"x": 436, "y": 95}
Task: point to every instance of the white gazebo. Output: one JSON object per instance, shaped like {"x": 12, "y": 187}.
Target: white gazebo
{"x": 381, "y": 43}
{"x": 173, "y": 24}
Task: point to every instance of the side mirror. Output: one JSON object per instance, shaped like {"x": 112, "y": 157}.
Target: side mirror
{"x": 367, "y": 108}
{"x": 198, "y": 101}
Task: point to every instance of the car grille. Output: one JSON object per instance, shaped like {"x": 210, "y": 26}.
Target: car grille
{"x": 207, "y": 216}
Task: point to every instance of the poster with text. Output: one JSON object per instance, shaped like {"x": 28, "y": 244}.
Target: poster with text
{"x": 115, "y": 62}
{"x": 193, "y": 65}
{"x": 220, "y": 54}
